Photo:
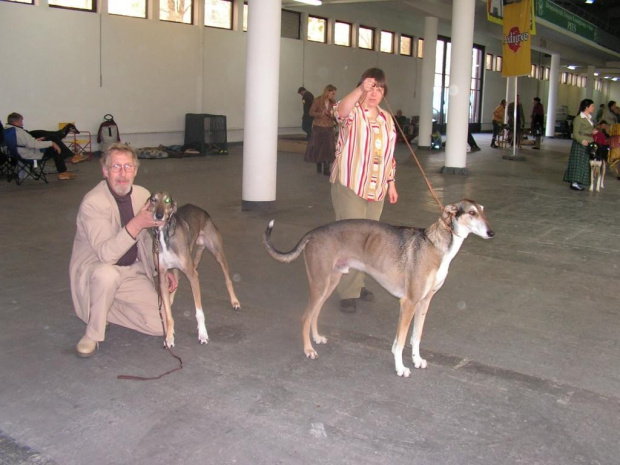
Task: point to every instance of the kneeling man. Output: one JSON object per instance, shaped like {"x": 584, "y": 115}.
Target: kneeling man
{"x": 112, "y": 269}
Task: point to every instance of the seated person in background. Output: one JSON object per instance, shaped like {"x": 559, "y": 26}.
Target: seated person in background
{"x": 403, "y": 122}
{"x": 30, "y": 148}
{"x": 112, "y": 266}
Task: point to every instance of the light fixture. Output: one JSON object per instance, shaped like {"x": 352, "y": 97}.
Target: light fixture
{"x": 589, "y": 2}
{"x": 572, "y": 67}
{"x": 311, "y": 2}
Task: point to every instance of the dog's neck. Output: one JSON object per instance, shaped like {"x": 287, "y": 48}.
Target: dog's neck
{"x": 445, "y": 236}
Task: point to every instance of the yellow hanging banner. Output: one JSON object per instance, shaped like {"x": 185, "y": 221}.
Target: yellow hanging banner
{"x": 516, "y": 38}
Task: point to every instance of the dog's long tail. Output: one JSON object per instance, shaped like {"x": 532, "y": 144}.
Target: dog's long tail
{"x": 284, "y": 257}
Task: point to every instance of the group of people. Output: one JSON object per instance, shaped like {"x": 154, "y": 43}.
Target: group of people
{"x": 111, "y": 268}
{"x": 537, "y": 120}
{"x": 48, "y": 146}
{"x": 587, "y": 131}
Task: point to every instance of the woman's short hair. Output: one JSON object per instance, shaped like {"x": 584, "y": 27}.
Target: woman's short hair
{"x": 119, "y": 147}
{"x": 585, "y": 103}
{"x": 610, "y": 104}
{"x": 378, "y": 75}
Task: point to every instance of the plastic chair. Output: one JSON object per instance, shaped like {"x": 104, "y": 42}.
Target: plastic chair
{"x": 80, "y": 143}
{"x": 6, "y": 167}
{"x": 22, "y": 167}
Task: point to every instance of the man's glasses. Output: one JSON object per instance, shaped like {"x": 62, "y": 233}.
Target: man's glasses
{"x": 116, "y": 168}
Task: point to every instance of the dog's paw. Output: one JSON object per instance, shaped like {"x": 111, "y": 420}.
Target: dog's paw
{"x": 203, "y": 337}
{"x": 403, "y": 372}
{"x": 236, "y": 305}
{"x": 419, "y": 362}
{"x": 169, "y": 344}
{"x": 319, "y": 339}
{"x": 311, "y": 353}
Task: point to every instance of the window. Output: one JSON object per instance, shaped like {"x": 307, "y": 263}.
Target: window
{"x": 498, "y": 64}
{"x": 28, "y": 2}
{"x": 135, "y": 8}
{"x": 489, "y": 62}
{"x": 420, "y": 53}
{"x": 342, "y": 33}
{"x": 245, "y": 17}
{"x": 291, "y": 24}
{"x": 534, "y": 71}
{"x": 177, "y": 11}
{"x": 387, "y": 42}
{"x": 317, "y": 29}
{"x": 84, "y": 5}
{"x": 366, "y": 38}
{"x": 546, "y": 73}
{"x": 563, "y": 77}
{"x": 406, "y": 45}
{"x": 218, "y": 13}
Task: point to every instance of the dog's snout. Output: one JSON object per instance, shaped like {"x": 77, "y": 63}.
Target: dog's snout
{"x": 159, "y": 215}
{"x": 490, "y": 233}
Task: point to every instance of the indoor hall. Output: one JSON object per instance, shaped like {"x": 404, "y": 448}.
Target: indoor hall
{"x": 521, "y": 340}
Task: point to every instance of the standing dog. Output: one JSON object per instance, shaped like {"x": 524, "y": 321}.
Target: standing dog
{"x": 598, "y": 165}
{"x": 182, "y": 238}
{"x": 410, "y": 263}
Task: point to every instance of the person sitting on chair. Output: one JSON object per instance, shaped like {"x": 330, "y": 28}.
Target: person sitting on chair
{"x": 30, "y": 148}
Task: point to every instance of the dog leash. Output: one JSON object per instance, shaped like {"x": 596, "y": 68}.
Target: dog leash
{"x": 161, "y": 317}
{"x": 426, "y": 180}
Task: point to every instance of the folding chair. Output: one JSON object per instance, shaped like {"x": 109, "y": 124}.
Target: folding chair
{"x": 6, "y": 167}
{"x": 80, "y": 143}
{"x": 22, "y": 167}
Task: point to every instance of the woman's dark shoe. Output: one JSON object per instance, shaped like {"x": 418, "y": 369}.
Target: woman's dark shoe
{"x": 326, "y": 168}
{"x": 348, "y": 305}
{"x": 576, "y": 187}
{"x": 366, "y": 295}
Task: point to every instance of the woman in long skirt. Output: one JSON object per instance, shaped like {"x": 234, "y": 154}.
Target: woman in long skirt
{"x": 578, "y": 170}
{"x": 322, "y": 145}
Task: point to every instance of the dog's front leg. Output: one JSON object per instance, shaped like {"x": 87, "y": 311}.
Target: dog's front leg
{"x": 416, "y": 333}
{"x": 603, "y": 173}
{"x": 203, "y": 336}
{"x": 165, "y": 299}
{"x": 407, "y": 310}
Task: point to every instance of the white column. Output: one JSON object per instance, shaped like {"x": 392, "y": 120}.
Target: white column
{"x": 590, "y": 82}
{"x": 426, "y": 83}
{"x": 463, "y": 12}
{"x": 554, "y": 80}
{"x": 260, "y": 138}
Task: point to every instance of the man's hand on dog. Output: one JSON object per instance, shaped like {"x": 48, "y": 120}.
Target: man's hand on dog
{"x": 143, "y": 220}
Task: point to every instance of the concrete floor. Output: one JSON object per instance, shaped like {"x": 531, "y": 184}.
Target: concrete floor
{"x": 522, "y": 340}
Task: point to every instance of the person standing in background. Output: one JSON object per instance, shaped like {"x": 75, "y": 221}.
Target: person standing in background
{"x": 537, "y": 121}
{"x": 307, "y": 99}
{"x": 322, "y": 146}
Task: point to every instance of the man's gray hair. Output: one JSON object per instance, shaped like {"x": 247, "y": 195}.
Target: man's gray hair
{"x": 14, "y": 118}
{"x": 119, "y": 147}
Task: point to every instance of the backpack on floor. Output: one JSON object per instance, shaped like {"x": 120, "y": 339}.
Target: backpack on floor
{"x": 108, "y": 132}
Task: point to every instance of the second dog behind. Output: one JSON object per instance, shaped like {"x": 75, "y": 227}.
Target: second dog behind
{"x": 182, "y": 238}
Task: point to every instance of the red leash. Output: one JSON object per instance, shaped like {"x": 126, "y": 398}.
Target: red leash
{"x": 161, "y": 317}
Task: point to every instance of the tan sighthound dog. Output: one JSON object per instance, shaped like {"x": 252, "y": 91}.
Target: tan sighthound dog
{"x": 185, "y": 233}
{"x": 410, "y": 263}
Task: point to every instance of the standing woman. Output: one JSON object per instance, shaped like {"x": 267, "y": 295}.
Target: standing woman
{"x": 363, "y": 173}
{"x": 578, "y": 170}
{"x": 322, "y": 147}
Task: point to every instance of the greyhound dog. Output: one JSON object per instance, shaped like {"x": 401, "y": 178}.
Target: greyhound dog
{"x": 410, "y": 263}
{"x": 598, "y": 165}
{"x": 185, "y": 233}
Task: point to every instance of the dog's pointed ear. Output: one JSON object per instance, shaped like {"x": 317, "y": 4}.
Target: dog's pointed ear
{"x": 449, "y": 211}
{"x": 173, "y": 206}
